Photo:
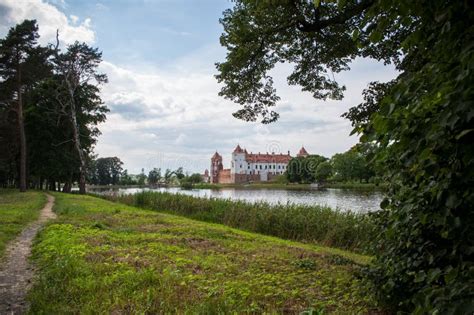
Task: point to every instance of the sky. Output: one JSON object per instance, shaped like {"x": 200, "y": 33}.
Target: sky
{"x": 159, "y": 56}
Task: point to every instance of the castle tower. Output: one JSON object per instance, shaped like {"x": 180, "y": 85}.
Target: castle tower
{"x": 216, "y": 167}
{"x": 302, "y": 153}
{"x": 239, "y": 163}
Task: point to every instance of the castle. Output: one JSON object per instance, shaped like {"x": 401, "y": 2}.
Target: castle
{"x": 250, "y": 167}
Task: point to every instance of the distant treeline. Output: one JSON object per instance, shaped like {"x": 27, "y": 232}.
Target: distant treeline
{"x": 50, "y": 107}
{"x": 109, "y": 171}
{"x": 354, "y": 165}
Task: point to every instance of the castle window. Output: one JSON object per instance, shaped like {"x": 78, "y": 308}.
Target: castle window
{"x": 260, "y": 167}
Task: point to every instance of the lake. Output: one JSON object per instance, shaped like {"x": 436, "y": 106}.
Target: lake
{"x": 343, "y": 199}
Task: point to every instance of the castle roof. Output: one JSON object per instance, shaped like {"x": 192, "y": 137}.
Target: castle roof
{"x": 216, "y": 156}
{"x": 303, "y": 152}
{"x": 238, "y": 149}
{"x": 268, "y": 158}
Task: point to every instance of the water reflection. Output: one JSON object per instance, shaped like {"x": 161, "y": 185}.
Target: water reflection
{"x": 354, "y": 200}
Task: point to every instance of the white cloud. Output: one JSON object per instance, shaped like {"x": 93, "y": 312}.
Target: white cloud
{"x": 165, "y": 118}
{"x": 170, "y": 117}
{"x": 49, "y": 18}
{"x": 74, "y": 18}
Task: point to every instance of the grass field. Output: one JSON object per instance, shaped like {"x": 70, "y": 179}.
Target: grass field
{"x": 318, "y": 224}
{"x": 105, "y": 257}
{"x": 16, "y": 211}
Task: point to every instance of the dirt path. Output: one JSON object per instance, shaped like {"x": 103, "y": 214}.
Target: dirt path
{"x": 15, "y": 271}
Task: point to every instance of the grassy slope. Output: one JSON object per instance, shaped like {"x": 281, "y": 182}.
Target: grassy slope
{"x": 104, "y": 257}
{"x": 16, "y": 211}
{"x": 314, "y": 224}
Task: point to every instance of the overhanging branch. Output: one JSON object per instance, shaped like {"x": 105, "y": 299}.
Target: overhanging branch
{"x": 341, "y": 18}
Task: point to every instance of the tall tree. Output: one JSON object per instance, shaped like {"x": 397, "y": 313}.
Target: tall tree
{"x": 78, "y": 93}
{"x": 22, "y": 64}
{"x": 154, "y": 176}
{"x": 421, "y": 121}
{"x": 109, "y": 170}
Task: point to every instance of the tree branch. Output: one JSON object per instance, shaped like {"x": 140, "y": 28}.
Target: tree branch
{"x": 341, "y": 18}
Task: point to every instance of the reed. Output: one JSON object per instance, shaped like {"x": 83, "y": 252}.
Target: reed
{"x": 319, "y": 224}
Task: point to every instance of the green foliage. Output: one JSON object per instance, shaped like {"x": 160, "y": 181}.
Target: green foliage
{"x": 260, "y": 34}
{"x": 421, "y": 122}
{"x": 16, "y": 211}
{"x": 323, "y": 171}
{"x": 425, "y": 260}
{"x": 179, "y": 173}
{"x": 195, "y": 178}
{"x": 106, "y": 171}
{"x": 23, "y": 64}
{"x": 319, "y": 224}
{"x": 54, "y": 119}
{"x": 126, "y": 179}
{"x": 303, "y": 169}
{"x": 350, "y": 166}
{"x": 188, "y": 182}
{"x": 101, "y": 257}
{"x": 154, "y": 176}
{"x": 141, "y": 178}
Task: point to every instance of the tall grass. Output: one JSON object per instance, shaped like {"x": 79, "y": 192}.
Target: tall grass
{"x": 323, "y": 225}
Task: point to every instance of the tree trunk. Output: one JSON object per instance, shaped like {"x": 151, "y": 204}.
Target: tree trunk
{"x": 52, "y": 184}
{"x": 21, "y": 128}
{"x": 77, "y": 145}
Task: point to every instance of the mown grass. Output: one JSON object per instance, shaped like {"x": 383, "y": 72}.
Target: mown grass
{"x": 320, "y": 224}
{"x": 16, "y": 211}
{"x": 101, "y": 257}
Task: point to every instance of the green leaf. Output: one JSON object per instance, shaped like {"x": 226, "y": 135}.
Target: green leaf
{"x": 375, "y": 36}
{"x": 341, "y": 4}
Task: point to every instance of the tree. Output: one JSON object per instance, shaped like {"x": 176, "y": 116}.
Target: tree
{"x": 126, "y": 179}
{"x": 154, "y": 176}
{"x": 141, "y": 178}
{"x": 168, "y": 175}
{"x": 323, "y": 171}
{"x": 179, "y": 173}
{"x": 22, "y": 65}
{"x": 49, "y": 105}
{"x": 350, "y": 165}
{"x": 109, "y": 170}
{"x": 195, "y": 178}
{"x": 302, "y": 169}
{"x": 421, "y": 121}
{"x": 79, "y": 81}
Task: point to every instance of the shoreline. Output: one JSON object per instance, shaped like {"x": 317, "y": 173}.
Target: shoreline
{"x": 256, "y": 186}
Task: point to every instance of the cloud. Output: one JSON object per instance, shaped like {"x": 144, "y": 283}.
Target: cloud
{"x": 171, "y": 115}
{"x": 49, "y": 18}
{"x": 165, "y": 117}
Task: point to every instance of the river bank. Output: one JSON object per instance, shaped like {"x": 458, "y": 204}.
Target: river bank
{"x": 317, "y": 224}
{"x": 106, "y": 257}
{"x": 267, "y": 185}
